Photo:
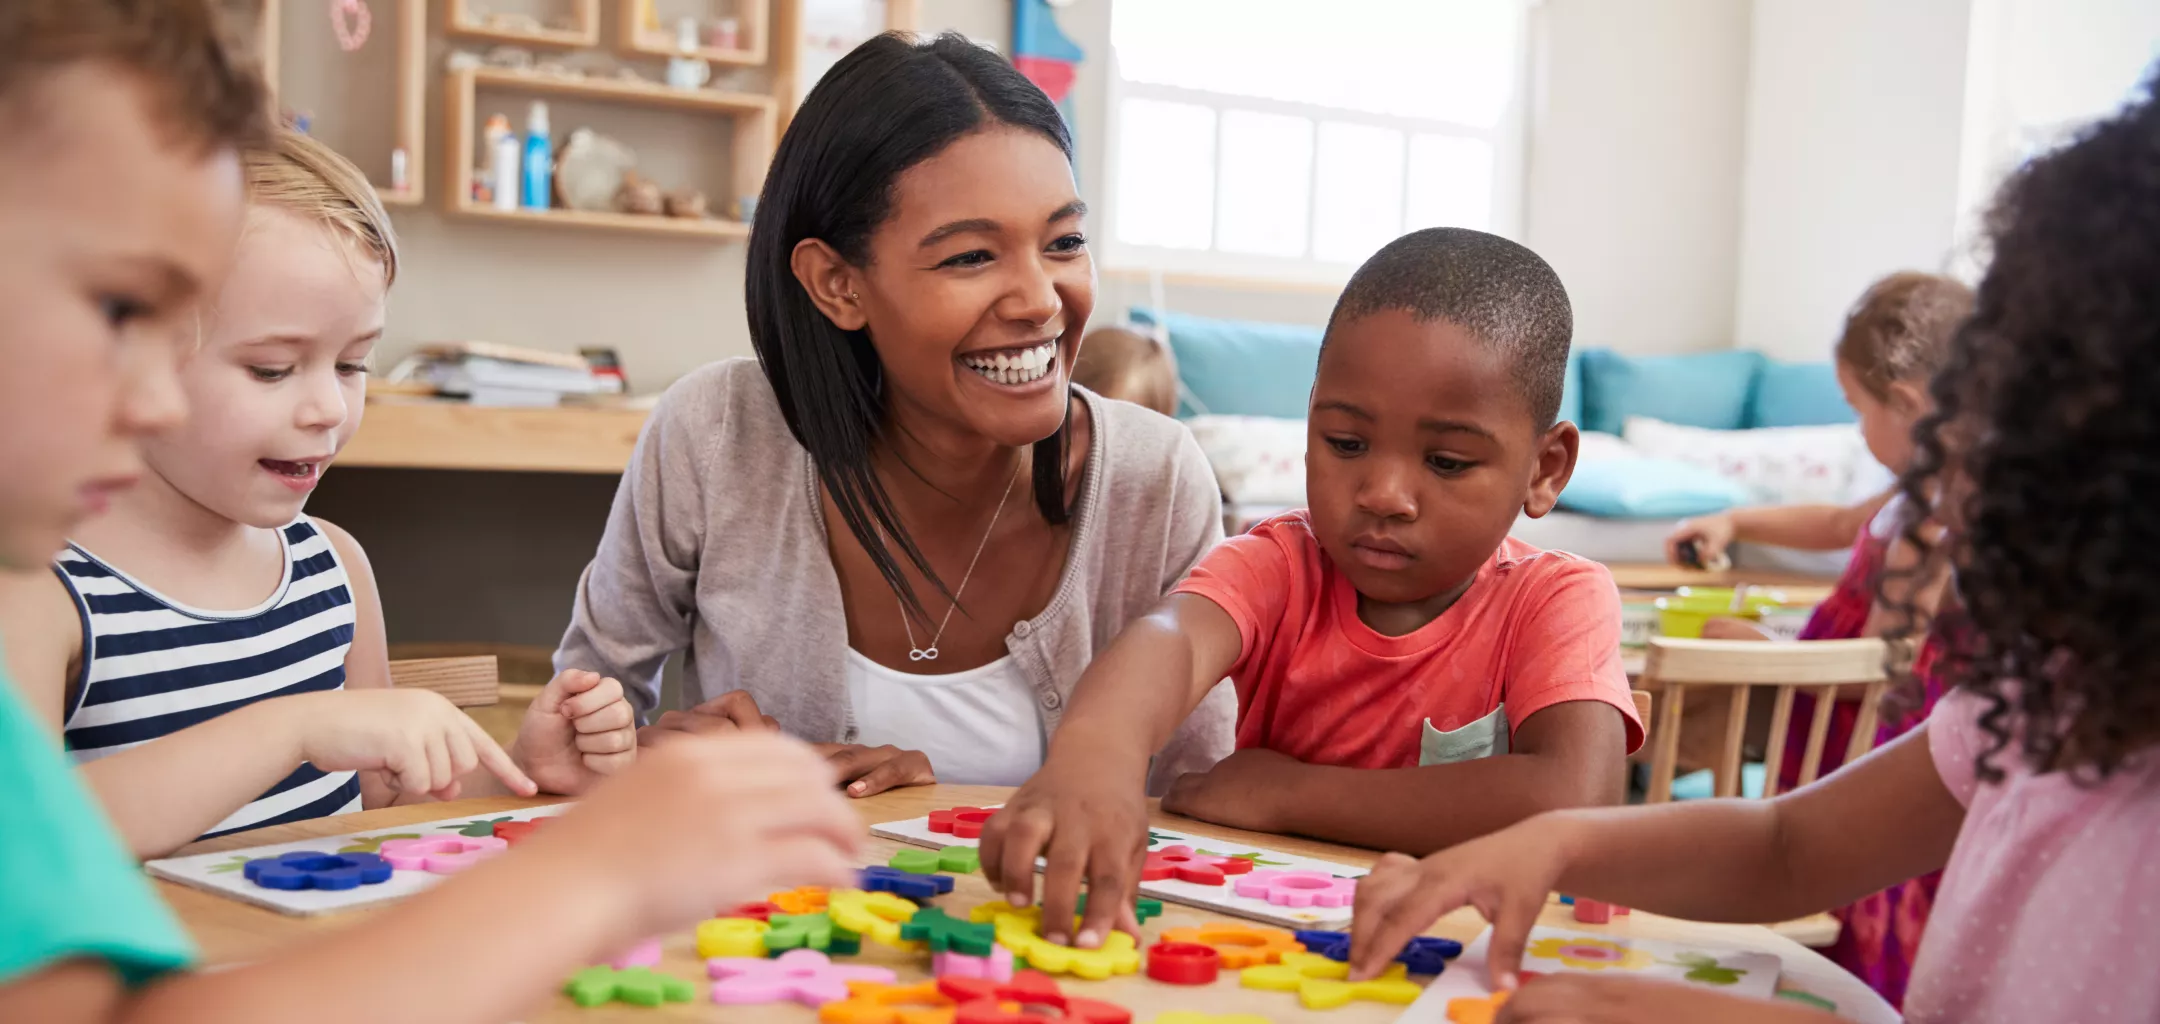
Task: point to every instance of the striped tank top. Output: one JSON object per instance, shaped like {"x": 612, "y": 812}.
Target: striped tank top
{"x": 152, "y": 666}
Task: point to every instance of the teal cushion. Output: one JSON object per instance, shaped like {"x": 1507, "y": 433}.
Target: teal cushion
{"x": 1571, "y": 396}
{"x": 1238, "y": 367}
{"x": 1797, "y": 395}
{"x": 1648, "y": 489}
{"x": 1702, "y": 785}
{"x": 1708, "y": 389}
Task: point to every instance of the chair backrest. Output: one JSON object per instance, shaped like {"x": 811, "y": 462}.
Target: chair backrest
{"x": 1642, "y": 706}
{"x": 1820, "y": 666}
{"x": 468, "y": 682}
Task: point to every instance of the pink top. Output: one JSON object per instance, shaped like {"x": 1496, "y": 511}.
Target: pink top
{"x": 2050, "y": 905}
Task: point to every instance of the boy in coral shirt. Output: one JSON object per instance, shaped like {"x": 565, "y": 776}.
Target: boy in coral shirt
{"x": 1408, "y": 676}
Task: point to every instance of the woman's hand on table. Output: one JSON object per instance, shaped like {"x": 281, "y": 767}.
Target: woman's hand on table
{"x": 868, "y": 771}
{"x": 1091, "y": 825}
{"x": 578, "y": 730}
{"x": 1591, "y": 999}
{"x": 1505, "y": 875}
{"x": 729, "y": 712}
{"x": 709, "y": 821}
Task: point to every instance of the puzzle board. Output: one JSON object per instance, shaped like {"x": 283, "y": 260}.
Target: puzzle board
{"x": 1553, "y": 951}
{"x": 1211, "y": 897}
{"x": 220, "y": 872}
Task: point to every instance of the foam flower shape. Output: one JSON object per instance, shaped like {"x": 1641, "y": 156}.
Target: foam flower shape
{"x": 306, "y": 869}
{"x": 905, "y": 883}
{"x": 1187, "y": 865}
{"x": 1591, "y": 954}
{"x": 809, "y": 931}
{"x": 807, "y": 900}
{"x": 441, "y": 855}
{"x": 803, "y": 975}
{"x": 870, "y": 1002}
{"x": 1477, "y": 1009}
{"x": 1298, "y": 888}
{"x": 1020, "y": 1001}
{"x": 640, "y": 986}
{"x": 876, "y": 916}
{"x": 962, "y": 822}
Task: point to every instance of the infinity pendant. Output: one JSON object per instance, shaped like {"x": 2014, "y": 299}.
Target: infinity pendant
{"x": 914, "y": 654}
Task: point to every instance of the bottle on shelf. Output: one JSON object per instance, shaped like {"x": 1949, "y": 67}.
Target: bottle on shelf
{"x": 502, "y": 157}
{"x": 539, "y": 181}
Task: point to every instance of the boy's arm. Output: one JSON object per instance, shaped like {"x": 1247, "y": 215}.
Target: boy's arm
{"x": 1087, "y": 807}
{"x": 1571, "y": 754}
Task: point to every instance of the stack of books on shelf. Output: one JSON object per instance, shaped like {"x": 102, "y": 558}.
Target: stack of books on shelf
{"x": 485, "y": 373}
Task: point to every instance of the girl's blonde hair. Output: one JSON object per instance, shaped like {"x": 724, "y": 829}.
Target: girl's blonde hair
{"x": 1900, "y": 330}
{"x": 300, "y": 175}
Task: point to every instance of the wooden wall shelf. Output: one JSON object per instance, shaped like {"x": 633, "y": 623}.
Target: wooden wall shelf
{"x": 457, "y": 21}
{"x": 753, "y": 118}
{"x": 438, "y": 434}
{"x": 409, "y": 33}
{"x": 754, "y": 15}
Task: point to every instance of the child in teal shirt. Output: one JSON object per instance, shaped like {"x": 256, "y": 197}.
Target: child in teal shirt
{"x": 120, "y": 203}
{"x": 70, "y": 890}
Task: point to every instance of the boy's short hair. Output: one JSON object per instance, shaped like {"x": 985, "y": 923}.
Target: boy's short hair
{"x": 1900, "y": 330}
{"x": 1120, "y": 362}
{"x": 301, "y": 176}
{"x": 1493, "y": 288}
{"x": 198, "y": 90}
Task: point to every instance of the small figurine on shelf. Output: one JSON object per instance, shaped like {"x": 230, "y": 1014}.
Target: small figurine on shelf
{"x": 725, "y": 34}
{"x": 589, "y": 170}
{"x": 639, "y": 196}
{"x": 687, "y": 204}
{"x": 686, "y": 70}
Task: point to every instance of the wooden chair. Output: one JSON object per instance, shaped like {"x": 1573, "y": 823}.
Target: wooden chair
{"x": 1820, "y": 666}
{"x": 468, "y": 682}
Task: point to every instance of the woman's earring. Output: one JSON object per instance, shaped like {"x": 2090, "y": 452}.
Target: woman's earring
{"x": 851, "y": 296}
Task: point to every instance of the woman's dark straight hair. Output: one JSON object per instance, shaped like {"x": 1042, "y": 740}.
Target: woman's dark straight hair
{"x": 885, "y": 107}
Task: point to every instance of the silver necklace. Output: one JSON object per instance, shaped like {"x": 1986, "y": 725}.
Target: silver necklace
{"x": 931, "y": 653}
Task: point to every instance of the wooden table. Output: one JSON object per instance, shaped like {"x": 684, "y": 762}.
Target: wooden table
{"x": 230, "y": 932}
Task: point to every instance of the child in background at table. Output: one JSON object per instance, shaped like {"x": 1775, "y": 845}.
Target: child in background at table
{"x": 1392, "y": 648}
{"x": 1896, "y": 338}
{"x": 1122, "y": 363}
{"x": 2037, "y": 779}
{"x": 182, "y": 711}
{"x": 120, "y": 202}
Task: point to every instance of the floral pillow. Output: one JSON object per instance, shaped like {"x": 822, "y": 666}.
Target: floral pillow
{"x": 1778, "y": 465}
{"x": 1258, "y": 460}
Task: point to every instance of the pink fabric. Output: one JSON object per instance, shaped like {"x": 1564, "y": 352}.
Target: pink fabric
{"x": 2050, "y": 906}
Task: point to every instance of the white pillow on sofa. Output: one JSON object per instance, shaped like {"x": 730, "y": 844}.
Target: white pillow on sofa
{"x": 1778, "y": 465}
{"x": 1258, "y": 460}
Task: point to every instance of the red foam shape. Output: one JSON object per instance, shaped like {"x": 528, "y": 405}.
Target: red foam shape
{"x": 983, "y": 1001}
{"x": 760, "y": 911}
{"x": 1182, "y": 863}
{"x": 962, "y": 822}
{"x": 1592, "y": 911}
{"x": 514, "y": 832}
{"x": 1183, "y": 963}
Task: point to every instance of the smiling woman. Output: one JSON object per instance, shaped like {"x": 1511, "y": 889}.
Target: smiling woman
{"x": 837, "y": 534}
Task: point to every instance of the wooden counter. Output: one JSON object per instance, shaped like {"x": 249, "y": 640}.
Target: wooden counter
{"x": 437, "y": 434}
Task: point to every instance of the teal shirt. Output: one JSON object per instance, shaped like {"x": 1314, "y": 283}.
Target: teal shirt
{"x": 68, "y": 888}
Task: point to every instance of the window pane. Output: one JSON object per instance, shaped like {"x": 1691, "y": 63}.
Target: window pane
{"x": 1166, "y": 174}
{"x": 1448, "y": 60}
{"x": 1451, "y": 182}
{"x": 1266, "y": 183}
{"x": 1358, "y": 203}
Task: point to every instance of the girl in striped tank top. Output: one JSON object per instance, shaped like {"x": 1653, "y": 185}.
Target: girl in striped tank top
{"x": 215, "y": 658}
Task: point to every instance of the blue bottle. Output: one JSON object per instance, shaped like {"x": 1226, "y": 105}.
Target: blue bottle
{"x": 539, "y": 184}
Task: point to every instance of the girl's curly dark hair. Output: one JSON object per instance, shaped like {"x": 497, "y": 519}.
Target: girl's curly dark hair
{"x": 2044, "y": 454}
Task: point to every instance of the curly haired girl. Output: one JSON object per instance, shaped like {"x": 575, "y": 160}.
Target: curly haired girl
{"x": 2035, "y": 784}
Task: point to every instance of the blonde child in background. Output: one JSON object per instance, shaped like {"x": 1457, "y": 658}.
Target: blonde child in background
{"x": 120, "y": 201}
{"x": 1125, "y": 364}
{"x": 2035, "y": 784}
{"x": 1897, "y": 336}
{"x": 204, "y": 644}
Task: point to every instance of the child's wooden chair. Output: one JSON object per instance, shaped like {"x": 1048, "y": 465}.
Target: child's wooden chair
{"x": 1818, "y": 665}
{"x": 1821, "y": 666}
{"x": 468, "y": 682}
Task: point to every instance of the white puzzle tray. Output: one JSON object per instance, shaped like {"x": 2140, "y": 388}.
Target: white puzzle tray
{"x": 1223, "y": 898}
{"x": 221, "y": 872}
{"x": 1554, "y": 951}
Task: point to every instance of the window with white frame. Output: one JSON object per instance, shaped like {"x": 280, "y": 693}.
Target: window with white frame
{"x": 1288, "y": 139}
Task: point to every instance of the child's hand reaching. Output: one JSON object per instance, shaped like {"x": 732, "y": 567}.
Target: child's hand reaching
{"x": 415, "y": 740}
{"x": 1506, "y": 876}
{"x": 1705, "y": 538}
{"x": 579, "y": 729}
{"x": 1091, "y": 825}
{"x": 709, "y": 821}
